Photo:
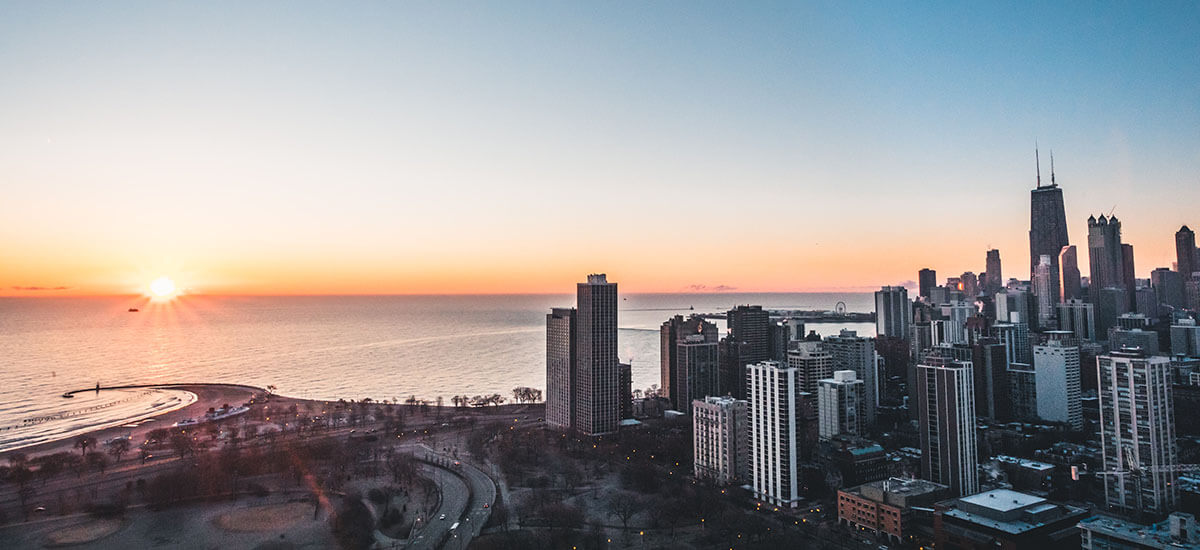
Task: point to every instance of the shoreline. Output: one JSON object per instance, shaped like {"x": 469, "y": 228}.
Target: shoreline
{"x": 205, "y": 396}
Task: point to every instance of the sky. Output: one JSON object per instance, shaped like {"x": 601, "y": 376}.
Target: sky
{"x": 514, "y": 147}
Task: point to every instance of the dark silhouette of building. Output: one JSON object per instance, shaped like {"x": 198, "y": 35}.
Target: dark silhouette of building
{"x": 1105, "y": 254}
{"x": 1168, "y": 288}
{"x": 946, "y": 419}
{"x": 995, "y": 274}
{"x": 926, "y": 280}
{"x": 1070, "y": 285}
{"x": 626, "y": 407}
{"x": 1185, "y": 252}
{"x": 689, "y": 360}
{"x": 1047, "y": 225}
{"x": 990, "y": 361}
{"x": 597, "y": 374}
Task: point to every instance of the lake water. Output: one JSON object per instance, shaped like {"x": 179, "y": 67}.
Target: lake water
{"x": 328, "y": 347}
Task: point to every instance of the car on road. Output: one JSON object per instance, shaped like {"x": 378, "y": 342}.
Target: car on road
{"x": 442, "y": 517}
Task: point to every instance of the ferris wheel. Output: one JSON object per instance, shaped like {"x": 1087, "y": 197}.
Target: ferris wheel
{"x": 840, "y": 308}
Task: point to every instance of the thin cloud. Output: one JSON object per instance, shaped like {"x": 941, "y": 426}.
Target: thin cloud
{"x": 706, "y": 288}
{"x": 41, "y": 288}
{"x": 907, "y": 284}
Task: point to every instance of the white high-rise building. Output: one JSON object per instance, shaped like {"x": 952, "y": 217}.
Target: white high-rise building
{"x": 773, "y": 391}
{"x": 720, "y": 439}
{"x": 893, "y": 312}
{"x": 956, "y": 315}
{"x": 946, "y": 419}
{"x": 857, "y": 353}
{"x": 1056, "y": 375}
{"x": 841, "y": 404}
{"x": 1137, "y": 431}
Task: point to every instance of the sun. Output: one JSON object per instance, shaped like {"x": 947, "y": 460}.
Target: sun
{"x": 162, "y": 287}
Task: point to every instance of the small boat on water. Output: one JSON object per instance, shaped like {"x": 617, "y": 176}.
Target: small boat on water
{"x": 186, "y": 422}
{"x": 133, "y": 310}
{"x": 68, "y": 395}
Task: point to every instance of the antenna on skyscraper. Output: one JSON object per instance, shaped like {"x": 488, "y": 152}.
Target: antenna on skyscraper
{"x": 1052, "y": 184}
{"x": 1038, "y": 159}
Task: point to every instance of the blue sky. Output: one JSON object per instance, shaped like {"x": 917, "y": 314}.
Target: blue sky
{"x": 399, "y": 147}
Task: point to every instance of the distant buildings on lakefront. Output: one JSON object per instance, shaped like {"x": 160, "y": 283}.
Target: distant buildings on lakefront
{"x": 956, "y": 370}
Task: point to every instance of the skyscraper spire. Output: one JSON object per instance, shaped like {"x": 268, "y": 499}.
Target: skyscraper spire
{"x": 1052, "y": 184}
{"x": 1038, "y": 159}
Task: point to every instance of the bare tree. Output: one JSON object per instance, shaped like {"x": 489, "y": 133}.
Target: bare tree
{"x": 624, "y": 506}
{"x": 118, "y": 448}
{"x": 83, "y": 442}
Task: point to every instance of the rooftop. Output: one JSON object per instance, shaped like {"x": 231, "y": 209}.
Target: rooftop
{"x": 1002, "y": 500}
{"x": 1157, "y": 534}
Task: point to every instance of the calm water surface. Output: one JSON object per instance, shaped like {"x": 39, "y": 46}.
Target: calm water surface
{"x": 326, "y": 347}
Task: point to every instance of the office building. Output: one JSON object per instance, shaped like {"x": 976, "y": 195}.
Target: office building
{"x": 1015, "y": 339}
{"x": 750, "y": 325}
{"x": 776, "y": 433}
{"x": 625, "y": 391}
{"x": 1056, "y": 372}
{"x": 885, "y": 507}
{"x": 560, "y": 368}
{"x": 1185, "y": 338}
{"x": 946, "y": 418}
{"x": 1168, "y": 289}
{"x": 1006, "y": 519}
{"x": 1078, "y": 317}
{"x": 1137, "y": 428}
{"x": 1022, "y": 392}
{"x": 1070, "y": 284}
{"x": 689, "y": 360}
{"x": 1177, "y": 532}
{"x": 841, "y": 405}
{"x": 720, "y": 438}
{"x": 990, "y": 361}
{"x": 1110, "y": 306}
{"x": 1043, "y": 292}
{"x": 995, "y": 277}
{"x": 1047, "y": 227}
{"x": 926, "y": 280}
{"x": 1105, "y": 253}
{"x": 597, "y": 375}
{"x": 1185, "y": 253}
{"x": 857, "y": 353}
{"x": 893, "y": 312}
{"x": 812, "y": 363}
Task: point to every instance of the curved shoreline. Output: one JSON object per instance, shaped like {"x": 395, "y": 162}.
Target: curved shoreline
{"x": 200, "y": 396}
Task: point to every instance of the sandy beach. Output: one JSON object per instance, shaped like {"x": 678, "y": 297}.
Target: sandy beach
{"x": 206, "y": 396}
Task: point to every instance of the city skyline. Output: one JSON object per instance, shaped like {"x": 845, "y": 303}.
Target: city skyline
{"x": 450, "y": 139}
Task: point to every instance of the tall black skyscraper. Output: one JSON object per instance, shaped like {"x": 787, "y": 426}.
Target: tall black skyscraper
{"x": 597, "y": 379}
{"x": 688, "y": 360}
{"x": 1185, "y": 252}
{"x": 1047, "y": 226}
{"x": 1105, "y": 253}
{"x": 927, "y": 279}
{"x": 995, "y": 276}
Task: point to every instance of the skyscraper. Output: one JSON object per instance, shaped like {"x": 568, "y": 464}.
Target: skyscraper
{"x": 990, "y": 361}
{"x": 1105, "y": 254}
{"x": 1137, "y": 432}
{"x": 1168, "y": 287}
{"x": 1068, "y": 261}
{"x": 926, "y": 280}
{"x": 560, "y": 367}
{"x": 688, "y": 360}
{"x": 751, "y": 325}
{"x": 1185, "y": 252}
{"x": 841, "y": 404}
{"x": 857, "y": 353}
{"x": 946, "y": 415}
{"x": 597, "y": 374}
{"x": 1078, "y": 317}
{"x": 893, "y": 312}
{"x": 995, "y": 276}
{"x": 774, "y": 396}
{"x": 1043, "y": 291}
{"x": 1047, "y": 225}
{"x": 1128, "y": 274}
{"x": 1056, "y": 373}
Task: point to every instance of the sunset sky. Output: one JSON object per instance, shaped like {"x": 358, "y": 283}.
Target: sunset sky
{"x": 460, "y": 147}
